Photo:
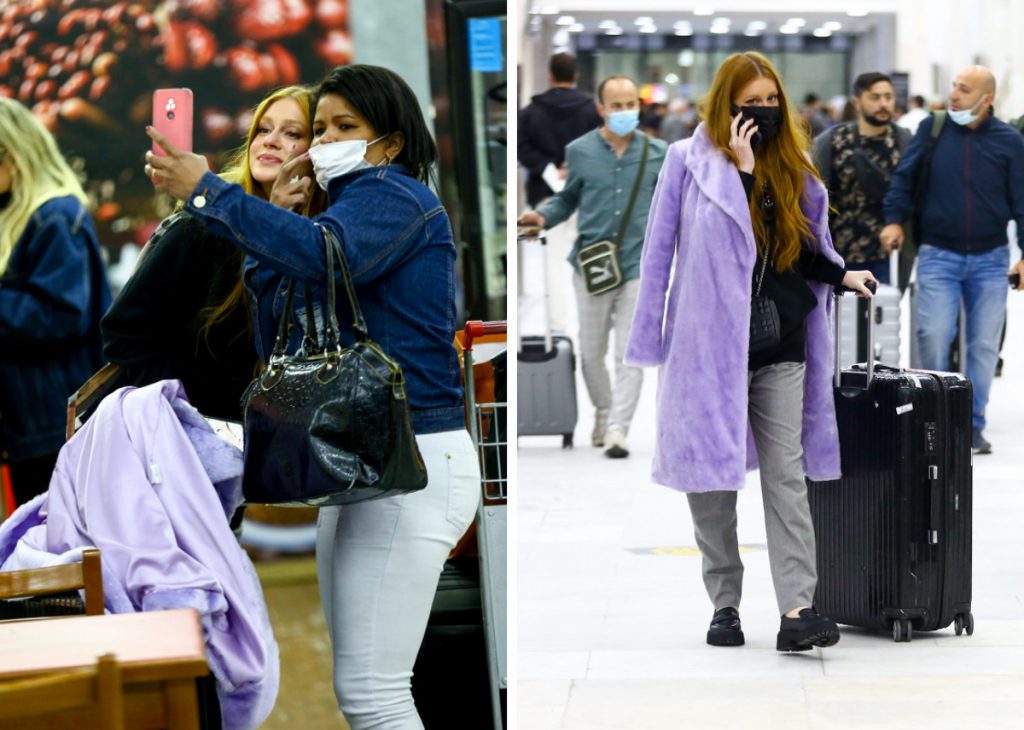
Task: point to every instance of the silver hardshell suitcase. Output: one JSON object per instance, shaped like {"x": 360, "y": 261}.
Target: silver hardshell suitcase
{"x": 546, "y": 378}
{"x": 884, "y": 309}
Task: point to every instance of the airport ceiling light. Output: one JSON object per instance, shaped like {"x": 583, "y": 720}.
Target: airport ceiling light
{"x": 757, "y": 25}
{"x": 683, "y": 27}
{"x": 720, "y": 28}
{"x": 672, "y": 79}
{"x": 789, "y": 30}
{"x": 686, "y": 58}
{"x": 796, "y": 22}
{"x": 644, "y": 20}
{"x": 703, "y": 10}
{"x": 576, "y": 28}
{"x": 565, "y": 20}
{"x": 647, "y": 29}
{"x": 606, "y": 24}
{"x": 822, "y": 33}
{"x": 613, "y": 31}
{"x": 833, "y": 25}
{"x": 752, "y": 31}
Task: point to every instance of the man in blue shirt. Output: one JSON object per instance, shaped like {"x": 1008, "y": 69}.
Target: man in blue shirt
{"x": 974, "y": 187}
{"x": 604, "y": 165}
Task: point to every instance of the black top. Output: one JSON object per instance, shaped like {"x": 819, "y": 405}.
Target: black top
{"x": 552, "y": 120}
{"x": 792, "y": 297}
{"x": 152, "y": 330}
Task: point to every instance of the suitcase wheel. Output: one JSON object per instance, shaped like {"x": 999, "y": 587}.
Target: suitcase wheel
{"x": 964, "y": 621}
{"x": 566, "y": 440}
{"x": 902, "y": 630}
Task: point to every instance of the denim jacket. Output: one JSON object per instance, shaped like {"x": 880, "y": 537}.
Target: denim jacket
{"x": 52, "y": 296}
{"x": 397, "y": 240}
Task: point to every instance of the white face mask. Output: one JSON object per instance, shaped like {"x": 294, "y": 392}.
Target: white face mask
{"x": 334, "y": 159}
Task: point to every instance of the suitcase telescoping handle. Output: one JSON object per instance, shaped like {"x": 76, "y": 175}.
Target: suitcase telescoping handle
{"x": 839, "y": 291}
{"x": 533, "y": 233}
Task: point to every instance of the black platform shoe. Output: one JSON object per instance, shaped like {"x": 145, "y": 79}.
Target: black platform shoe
{"x": 725, "y": 629}
{"x": 810, "y": 630}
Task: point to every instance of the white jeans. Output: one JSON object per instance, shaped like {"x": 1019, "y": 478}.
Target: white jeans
{"x": 378, "y": 563}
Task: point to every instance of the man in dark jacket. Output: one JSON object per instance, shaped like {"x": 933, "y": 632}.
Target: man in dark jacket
{"x": 974, "y": 186}
{"x": 549, "y": 122}
{"x": 552, "y": 120}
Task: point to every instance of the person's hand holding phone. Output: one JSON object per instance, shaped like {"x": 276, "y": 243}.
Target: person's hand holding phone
{"x": 741, "y": 132}
{"x": 176, "y": 172}
{"x": 1015, "y": 275}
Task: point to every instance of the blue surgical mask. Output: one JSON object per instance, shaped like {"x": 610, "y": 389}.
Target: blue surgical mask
{"x": 622, "y": 123}
{"x": 963, "y": 117}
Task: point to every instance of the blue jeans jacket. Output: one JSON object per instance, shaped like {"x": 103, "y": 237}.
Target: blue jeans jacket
{"x": 397, "y": 240}
{"x": 52, "y": 296}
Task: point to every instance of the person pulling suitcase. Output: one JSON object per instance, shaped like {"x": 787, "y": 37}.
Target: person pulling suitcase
{"x": 612, "y": 173}
{"x": 744, "y": 340}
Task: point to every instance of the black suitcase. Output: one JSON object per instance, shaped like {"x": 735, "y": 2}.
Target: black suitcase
{"x": 893, "y": 534}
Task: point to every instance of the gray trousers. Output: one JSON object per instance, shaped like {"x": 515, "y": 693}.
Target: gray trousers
{"x": 599, "y": 315}
{"x": 776, "y": 416}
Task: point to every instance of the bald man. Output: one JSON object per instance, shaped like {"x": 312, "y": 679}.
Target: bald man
{"x": 972, "y": 185}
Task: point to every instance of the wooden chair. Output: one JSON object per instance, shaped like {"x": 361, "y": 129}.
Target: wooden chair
{"x": 57, "y": 579}
{"x": 85, "y": 698}
{"x": 102, "y": 383}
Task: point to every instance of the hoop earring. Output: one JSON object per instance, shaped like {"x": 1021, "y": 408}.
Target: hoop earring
{"x": 387, "y": 158}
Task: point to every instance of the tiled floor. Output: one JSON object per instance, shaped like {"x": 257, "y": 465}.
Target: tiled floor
{"x": 306, "y": 697}
{"x": 612, "y": 611}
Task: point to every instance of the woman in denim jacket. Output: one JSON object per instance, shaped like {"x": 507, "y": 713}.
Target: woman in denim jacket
{"x": 378, "y": 561}
{"x": 53, "y": 291}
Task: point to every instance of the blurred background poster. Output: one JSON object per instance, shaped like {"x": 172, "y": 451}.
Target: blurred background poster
{"x": 88, "y": 70}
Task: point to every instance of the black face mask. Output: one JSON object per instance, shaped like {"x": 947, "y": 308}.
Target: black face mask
{"x": 767, "y": 118}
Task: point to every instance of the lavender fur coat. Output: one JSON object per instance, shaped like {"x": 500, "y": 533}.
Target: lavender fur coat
{"x": 700, "y": 217}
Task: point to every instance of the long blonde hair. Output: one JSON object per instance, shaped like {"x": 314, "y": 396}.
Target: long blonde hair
{"x": 781, "y": 162}
{"x": 237, "y": 170}
{"x": 39, "y": 173}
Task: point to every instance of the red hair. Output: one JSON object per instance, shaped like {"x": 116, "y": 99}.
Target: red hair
{"x": 782, "y": 161}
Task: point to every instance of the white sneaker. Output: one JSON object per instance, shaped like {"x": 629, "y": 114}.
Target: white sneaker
{"x": 615, "y": 443}
{"x": 600, "y": 424}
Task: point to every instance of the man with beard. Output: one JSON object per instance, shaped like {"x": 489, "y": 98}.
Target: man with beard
{"x": 856, "y": 160}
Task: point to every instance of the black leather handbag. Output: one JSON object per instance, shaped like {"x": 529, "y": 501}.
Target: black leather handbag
{"x": 329, "y": 427}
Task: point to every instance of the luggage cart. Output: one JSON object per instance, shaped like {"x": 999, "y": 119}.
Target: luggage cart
{"x": 488, "y": 428}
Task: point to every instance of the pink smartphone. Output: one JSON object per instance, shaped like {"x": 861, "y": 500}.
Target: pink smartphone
{"x": 172, "y": 117}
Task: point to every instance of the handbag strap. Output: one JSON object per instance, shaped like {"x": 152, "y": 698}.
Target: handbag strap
{"x": 331, "y": 326}
{"x": 358, "y": 322}
{"x": 636, "y": 190}
{"x": 768, "y": 212}
{"x": 310, "y": 342}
